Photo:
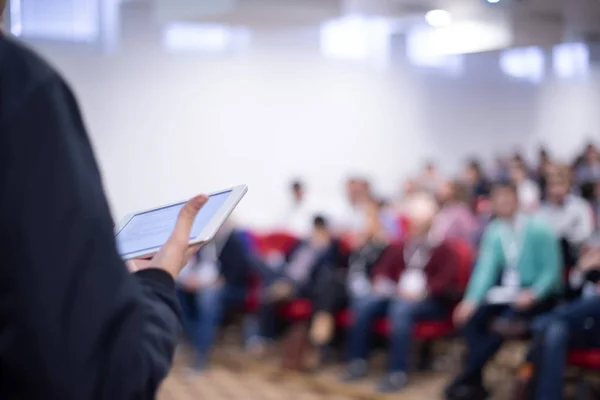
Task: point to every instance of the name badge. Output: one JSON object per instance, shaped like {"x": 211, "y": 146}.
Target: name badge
{"x": 413, "y": 281}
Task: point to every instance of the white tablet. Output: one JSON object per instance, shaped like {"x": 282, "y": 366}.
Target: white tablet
{"x": 143, "y": 233}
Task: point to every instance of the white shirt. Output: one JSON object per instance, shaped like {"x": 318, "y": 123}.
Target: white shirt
{"x": 529, "y": 195}
{"x": 572, "y": 220}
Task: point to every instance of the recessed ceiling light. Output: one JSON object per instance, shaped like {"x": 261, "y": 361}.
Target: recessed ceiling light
{"x": 438, "y": 18}
{"x": 493, "y": 1}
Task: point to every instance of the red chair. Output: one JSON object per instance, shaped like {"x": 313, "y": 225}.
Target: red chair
{"x": 585, "y": 358}
{"x": 278, "y": 241}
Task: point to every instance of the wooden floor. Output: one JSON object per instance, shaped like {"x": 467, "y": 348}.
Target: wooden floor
{"x": 235, "y": 376}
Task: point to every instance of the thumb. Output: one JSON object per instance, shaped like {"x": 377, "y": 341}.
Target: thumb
{"x": 186, "y": 218}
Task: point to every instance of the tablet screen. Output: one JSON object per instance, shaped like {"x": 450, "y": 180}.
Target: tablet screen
{"x": 151, "y": 229}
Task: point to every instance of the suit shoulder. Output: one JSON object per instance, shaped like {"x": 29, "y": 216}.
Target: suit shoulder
{"x": 21, "y": 72}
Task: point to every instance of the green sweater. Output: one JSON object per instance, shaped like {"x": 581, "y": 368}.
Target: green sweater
{"x": 539, "y": 264}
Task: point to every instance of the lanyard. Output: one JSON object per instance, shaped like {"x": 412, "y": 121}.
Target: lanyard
{"x": 419, "y": 258}
{"x": 512, "y": 239}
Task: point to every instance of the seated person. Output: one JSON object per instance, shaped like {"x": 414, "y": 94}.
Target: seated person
{"x": 528, "y": 191}
{"x": 213, "y": 281}
{"x": 455, "y": 219}
{"x": 291, "y": 278}
{"x": 518, "y": 275}
{"x": 575, "y": 323}
{"x": 568, "y": 215}
{"x": 334, "y": 286}
{"x": 413, "y": 281}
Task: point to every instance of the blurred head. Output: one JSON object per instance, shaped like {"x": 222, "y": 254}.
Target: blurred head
{"x": 445, "y": 192}
{"x": 298, "y": 191}
{"x": 420, "y": 211}
{"x": 558, "y": 184}
{"x": 409, "y": 187}
{"x": 320, "y": 233}
{"x": 430, "y": 168}
{"x": 591, "y": 154}
{"x": 473, "y": 172}
{"x": 2, "y": 5}
{"x": 353, "y": 189}
{"x": 518, "y": 173}
{"x": 373, "y": 222}
{"x": 505, "y": 201}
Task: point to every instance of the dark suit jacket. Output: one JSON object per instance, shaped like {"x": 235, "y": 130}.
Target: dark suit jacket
{"x": 328, "y": 259}
{"x": 235, "y": 261}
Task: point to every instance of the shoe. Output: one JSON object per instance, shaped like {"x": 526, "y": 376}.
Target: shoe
{"x": 355, "y": 371}
{"x": 465, "y": 391}
{"x": 392, "y": 382}
{"x": 197, "y": 368}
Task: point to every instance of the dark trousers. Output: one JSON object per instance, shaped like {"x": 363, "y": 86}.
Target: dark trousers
{"x": 403, "y": 315}
{"x": 330, "y": 294}
{"x": 576, "y": 323}
{"x": 482, "y": 343}
{"x": 203, "y": 311}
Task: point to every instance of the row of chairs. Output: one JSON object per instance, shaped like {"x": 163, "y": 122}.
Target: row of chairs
{"x": 425, "y": 331}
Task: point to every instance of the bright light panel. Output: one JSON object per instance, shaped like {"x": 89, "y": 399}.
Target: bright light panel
{"x": 356, "y": 38}
{"x": 183, "y": 37}
{"x": 421, "y": 51}
{"x": 438, "y": 18}
{"x": 462, "y": 38}
{"x": 526, "y": 63}
{"x": 571, "y": 60}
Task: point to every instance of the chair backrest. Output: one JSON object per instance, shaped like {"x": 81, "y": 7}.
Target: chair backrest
{"x": 465, "y": 262}
{"x": 276, "y": 241}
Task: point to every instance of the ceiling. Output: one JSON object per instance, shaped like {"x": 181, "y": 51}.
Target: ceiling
{"x": 532, "y": 20}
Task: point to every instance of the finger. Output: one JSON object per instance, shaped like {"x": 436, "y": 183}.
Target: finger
{"x": 186, "y": 218}
{"x": 192, "y": 250}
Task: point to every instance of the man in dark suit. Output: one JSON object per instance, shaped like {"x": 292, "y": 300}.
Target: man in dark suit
{"x": 75, "y": 323}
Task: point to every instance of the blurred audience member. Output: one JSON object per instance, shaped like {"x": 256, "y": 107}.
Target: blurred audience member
{"x": 568, "y": 215}
{"x": 575, "y": 323}
{"x": 294, "y": 277}
{"x": 518, "y": 275}
{"x": 455, "y": 219}
{"x": 409, "y": 190}
{"x": 544, "y": 162}
{"x": 351, "y": 217}
{"x": 588, "y": 170}
{"x": 596, "y": 205}
{"x": 414, "y": 281}
{"x": 501, "y": 171}
{"x": 334, "y": 287}
{"x": 212, "y": 282}
{"x": 475, "y": 180}
{"x": 527, "y": 190}
{"x": 300, "y": 213}
{"x": 430, "y": 178}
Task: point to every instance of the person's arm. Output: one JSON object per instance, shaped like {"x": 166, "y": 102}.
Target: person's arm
{"x": 550, "y": 262}
{"x": 81, "y": 326}
{"x": 486, "y": 270}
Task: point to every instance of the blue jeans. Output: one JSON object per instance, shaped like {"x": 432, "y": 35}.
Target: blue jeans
{"x": 364, "y": 310}
{"x": 577, "y": 322}
{"x": 202, "y": 313}
{"x": 403, "y": 315}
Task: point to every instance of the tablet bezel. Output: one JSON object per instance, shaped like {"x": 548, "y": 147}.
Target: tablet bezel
{"x": 206, "y": 235}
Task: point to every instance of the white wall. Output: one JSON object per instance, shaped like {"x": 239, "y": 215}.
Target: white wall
{"x": 165, "y": 127}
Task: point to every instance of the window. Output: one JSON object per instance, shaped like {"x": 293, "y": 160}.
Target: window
{"x": 523, "y": 63}
{"x": 73, "y": 20}
{"x": 185, "y": 37}
{"x": 571, "y": 60}
{"x": 356, "y": 38}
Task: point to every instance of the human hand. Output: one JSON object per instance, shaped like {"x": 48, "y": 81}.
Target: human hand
{"x": 589, "y": 261}
{"x": 176, "y": 252}
{"x": 525, "y": 300}
{"x": 280, "y": 290}
{"x": 411, "y": 296}
{"x": 463, "y": 312}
